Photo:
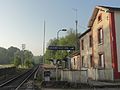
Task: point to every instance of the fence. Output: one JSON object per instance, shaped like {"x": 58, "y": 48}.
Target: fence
{"x": 74, "y": 76}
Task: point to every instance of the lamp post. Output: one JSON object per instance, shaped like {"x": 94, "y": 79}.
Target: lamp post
{"x": 57, "y": 61}
{"x": 59, "y": 31}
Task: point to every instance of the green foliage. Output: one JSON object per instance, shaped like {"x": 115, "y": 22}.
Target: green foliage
{"x": 68, "y": 40}
{"x": 3, "y": 56}
{"x": 28, "y": 63}
{"x": 28, "y": 55}
{"x": 11, "y": 52}
{"x": 7, "y": 55}
{"x": 17, "y": 62}
{"x": 38, "y": 59}
{"x": 28, "y": 58}
{"x": 17, "y": 58}
{"x": 23, "y": 57}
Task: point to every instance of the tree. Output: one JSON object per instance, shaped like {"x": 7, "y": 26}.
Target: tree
{"x": 14, "y": 55}
{"x": 3, "y": 56}
{"x": 38, "y": 59}
{"x": 28, "y": 58}
{"x": 10, "y": 53}
{"x": 17, "y": 58}
{"x": 28, "y": 63}
{"x": 68, "y": 40}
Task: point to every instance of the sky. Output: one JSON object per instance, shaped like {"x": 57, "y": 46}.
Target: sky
{"x": 22, "y": 21}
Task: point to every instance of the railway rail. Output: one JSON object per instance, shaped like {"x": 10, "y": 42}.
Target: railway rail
{"x": 18, "y": 82}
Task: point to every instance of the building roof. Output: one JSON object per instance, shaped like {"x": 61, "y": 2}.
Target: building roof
{"x": 102, "y": 8}
{"x": 110, "y": 8}
{"x": 76, "y": 53}
{"x": 84, "y": 33}
{"x": 48, "y": 66}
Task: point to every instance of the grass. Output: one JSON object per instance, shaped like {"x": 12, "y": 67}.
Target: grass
{"x": 6, "y": 65}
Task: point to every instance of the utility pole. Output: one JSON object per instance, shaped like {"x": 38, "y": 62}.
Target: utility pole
{"x": 22, "y": 59}
{"x": 76, "y": 22}
{"x": 44, "y": 44}
{"x": 43, "y": 52}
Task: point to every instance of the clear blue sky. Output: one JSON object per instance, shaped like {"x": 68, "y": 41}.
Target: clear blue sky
{"x": 21, "y": 21}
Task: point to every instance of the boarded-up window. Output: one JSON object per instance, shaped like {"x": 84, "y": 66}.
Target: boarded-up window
{"x": 74, "y": 61}
{"x": 100, "y": 35}
{"x": 101, "y": 61}
{"x": 91, "y": 61}
{"x": 90, "y": 40}
{"x": 82, "y": 62}
{"x": 82, "y": 44}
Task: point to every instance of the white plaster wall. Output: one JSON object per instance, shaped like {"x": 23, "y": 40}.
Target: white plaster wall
{"x": 92, "y": 74}
{"x": 84, "y": 76}
{"x": 105, "y": 74}
{"x": 117, "y": 27}
{"x": 71, "y": 76}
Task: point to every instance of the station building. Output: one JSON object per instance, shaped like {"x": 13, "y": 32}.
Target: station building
{"x": 100, "y": 44}
{"x": 75, "y": 61}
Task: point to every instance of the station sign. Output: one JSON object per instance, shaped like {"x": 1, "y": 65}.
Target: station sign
{"x": 61, "y": 47}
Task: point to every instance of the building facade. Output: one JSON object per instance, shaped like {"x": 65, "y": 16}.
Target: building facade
{"x": 102, "y": 59}
{"x": 86, "y": 50}
{"x": 75, "y": 61}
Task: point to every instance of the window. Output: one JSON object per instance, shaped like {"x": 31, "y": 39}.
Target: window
{"x": 74, "y": 61}
{"x": 101, "y": 61}
{"x": 82, "y": 62}
{"x": 82, "y": 44}
{"x": 100, "y": 35}
{"x": 90, "y": 40}
{"x": 100, "y": 17}
{"x": 91, "y": 61}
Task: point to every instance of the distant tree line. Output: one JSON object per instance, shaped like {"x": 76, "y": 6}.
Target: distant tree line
{"x": 14, "y": 55}
{"x": 67, "y": 40}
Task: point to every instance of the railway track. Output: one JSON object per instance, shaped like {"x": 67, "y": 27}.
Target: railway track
{"x": 17, "y": 83}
